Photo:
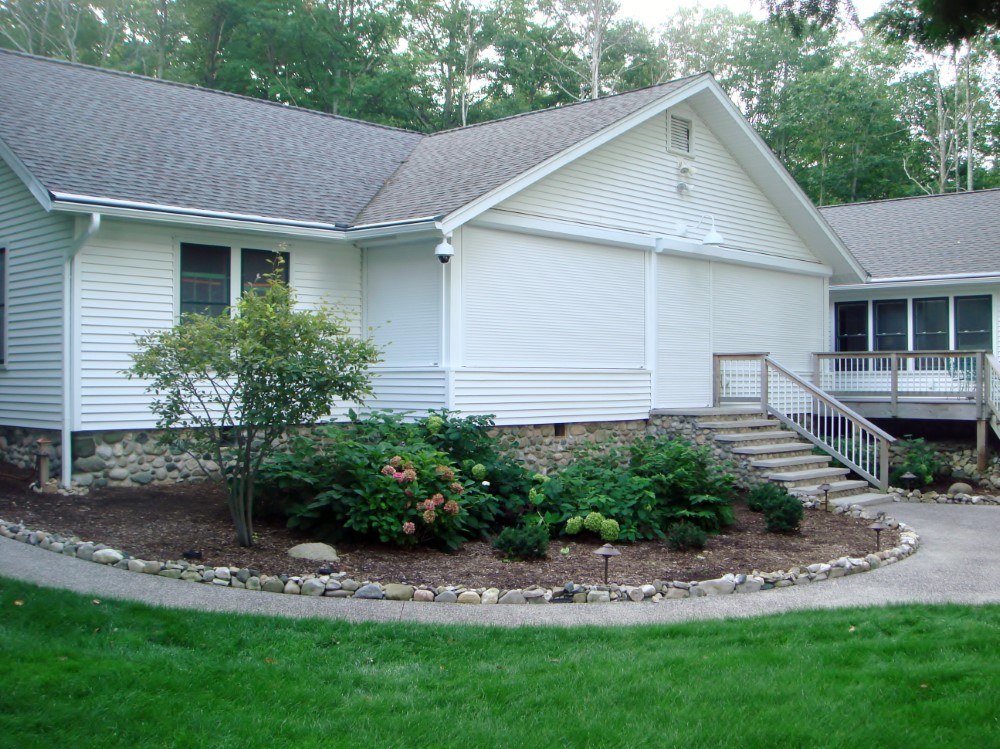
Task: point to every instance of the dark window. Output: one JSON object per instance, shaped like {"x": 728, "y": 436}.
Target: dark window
{"x": 255, "y": 264}
{"x": 204, "y": 279}
{"x": 973, "y": 323}
{"x": 930, "y": 324}
{"x": 3, "y": 305}
{"x": 890, "y": 325}
{"x": 852, "y": 326}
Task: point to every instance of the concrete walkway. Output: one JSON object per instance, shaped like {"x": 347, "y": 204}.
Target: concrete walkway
{"x": 958, "y": 562}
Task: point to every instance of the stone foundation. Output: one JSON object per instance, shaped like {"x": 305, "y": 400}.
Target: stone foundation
{"x": 18, "y": 446}
{"x": 131, "y": 459}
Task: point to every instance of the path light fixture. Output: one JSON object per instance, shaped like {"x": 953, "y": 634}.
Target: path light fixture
{"x": 825, "y": 488}
{"x": 908, "y": 479}
{"x": 607, "y": 551}
{"x": 878, "y": 527}
{"x": 42, "y": 453}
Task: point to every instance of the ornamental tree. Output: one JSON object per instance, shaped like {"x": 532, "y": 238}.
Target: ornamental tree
{"x": 230, "y": 387}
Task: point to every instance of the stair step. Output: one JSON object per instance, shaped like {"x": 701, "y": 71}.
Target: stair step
{"x": 808, "y": 475}
{"x": 805, "y": 460}
{"x": 744, "y": 424}
{"x": 837, "y": 489}
{"x": 866, "y": 499}
{"x": 753, "y": 436}
{"x": 720, "y": 411}
{"x": 786, "y": 447}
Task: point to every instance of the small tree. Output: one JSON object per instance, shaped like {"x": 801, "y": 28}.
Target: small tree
{"x": 232, "y": 386}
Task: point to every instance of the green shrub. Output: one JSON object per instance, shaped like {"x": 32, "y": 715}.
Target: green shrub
{"x": 761, "y": 495}
{"x": 783, "y": 515}
{"x": 574, "y": 525}
{"x": 593, "y": 522}
{"x": 685, "y": 536}
{"x": 529, "y": 541}
{"x": 919, "y": 459}
{"x": 610, "y": 530}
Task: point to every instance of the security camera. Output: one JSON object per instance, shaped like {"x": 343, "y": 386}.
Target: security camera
{"x": 444, "y": 251}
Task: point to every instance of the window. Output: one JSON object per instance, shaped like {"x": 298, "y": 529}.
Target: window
{"x": 679, "y": 135}
{"x": 973, "y": 323}
{"x": 255, "y": 264}
{"x": 3, "y": 305}
{"x": 204, "y": 279}
{"x": 930, "y": 324}
{"x": 852, "y": 326}
{"x": 890, "y": 325}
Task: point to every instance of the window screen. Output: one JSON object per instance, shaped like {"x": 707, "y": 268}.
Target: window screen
{"x": 890, "y": 325}
{"x": 973, "y": 323}
{"x": 204, "y": 279}
{"x": 255, "y": 264}
{"x": 852, "y": 326}
{"x": 930, "y": 324}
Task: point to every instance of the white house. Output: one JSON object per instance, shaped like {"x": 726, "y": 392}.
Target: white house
{"x": 603, "y": 252}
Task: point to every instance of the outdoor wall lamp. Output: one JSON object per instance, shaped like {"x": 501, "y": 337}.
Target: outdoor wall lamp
{"x": 444, "y": 251}
{"x": 712, "y": 237}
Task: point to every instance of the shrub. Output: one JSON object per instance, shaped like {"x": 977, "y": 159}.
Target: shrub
{"x": 685, "y": 536}
{"x": 761, "y": 495}
{"x": 574, "y": 525}
{"x": 610, "y": 530}
{"x": 593, "y": 522}
{"x": 783, "y": 515}
{"x": 919, "y": 459}
{"x": 529, "y": 541}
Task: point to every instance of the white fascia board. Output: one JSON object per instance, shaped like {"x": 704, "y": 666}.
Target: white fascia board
{"x": 645, "y": 242}
{"x": 961, "y": 279}
{"x": 469, "y": 211}
{"x": 795, "y": 191}
{"x": 19, "y": 168}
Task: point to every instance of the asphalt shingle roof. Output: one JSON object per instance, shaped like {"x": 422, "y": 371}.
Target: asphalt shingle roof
{"x": 924, "y": 236}
{"x": 450, "y": 169}
{"x": 111, "y": 135}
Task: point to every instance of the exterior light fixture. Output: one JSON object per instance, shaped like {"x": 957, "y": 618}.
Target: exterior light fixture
{"x": 444, "y": 251}
{"x": 607, "y": 551}
{"x": 42, "y": 453}
{"x": 712, "y": 237}
{"x": 825, "y": 488}
{"x": 878, "y": 528}
{"x": 908, "y": 479}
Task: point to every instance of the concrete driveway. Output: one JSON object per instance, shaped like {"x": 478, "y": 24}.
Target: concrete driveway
{"x": 958, "y": 562}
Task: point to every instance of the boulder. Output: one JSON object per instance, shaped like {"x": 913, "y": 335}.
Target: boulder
{"x": 315, "y": 552}
{"x": 960, "y": 487}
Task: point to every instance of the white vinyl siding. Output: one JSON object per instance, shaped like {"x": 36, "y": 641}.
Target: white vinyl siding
{"x": 129, "y": 284}
{"x": 537, "y": 302}
{"x": 36, "y": 244}
{"x": 403, "y": 303}
{"x": 413, "y": 389}
{"x": 757, "y": 310}
{"x": 684, "y": 333}
{"x": 630, "y": 183}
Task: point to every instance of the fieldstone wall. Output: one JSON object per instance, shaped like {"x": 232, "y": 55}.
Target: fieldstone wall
{"x": 131, "y": 459}
{"x": 18, "y": 446}
{"x": 541, "y": 450}
{"x": 959, "y": 461}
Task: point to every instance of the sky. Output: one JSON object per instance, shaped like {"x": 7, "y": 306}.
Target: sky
{"x": 655, "y": 12}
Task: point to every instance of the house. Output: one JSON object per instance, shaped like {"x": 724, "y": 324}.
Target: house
{"x": 603, "y": 252}
{"x": 916, "y": 339}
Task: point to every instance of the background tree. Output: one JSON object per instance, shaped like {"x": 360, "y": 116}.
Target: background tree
{"x": 233, "y": 386}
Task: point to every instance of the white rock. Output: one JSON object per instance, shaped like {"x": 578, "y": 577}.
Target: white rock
{"x": 107, "y": 556}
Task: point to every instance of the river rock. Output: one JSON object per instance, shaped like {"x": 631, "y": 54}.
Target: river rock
{"x": 313, "y": 587}
{"x": 425, "y": 596}
{"x": 396, "y": 592}
{"x": 370, "y": 591}
{"x": 513, "y": 596}
{"x": 469, "y": 596}
{"x": 598, "y": 596}
{"x": 960, "y": 487}
{"x": 491, "y": 595}
{"x": 107, "y": 556}
{"x": 315, "y": 552}
{"x": 446, "y": 596}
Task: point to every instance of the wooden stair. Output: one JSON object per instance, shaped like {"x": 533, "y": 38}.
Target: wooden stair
{"x": 754, "y": 440}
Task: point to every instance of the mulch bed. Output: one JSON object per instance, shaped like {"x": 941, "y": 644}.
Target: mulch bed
{"x": 162, "y": 522}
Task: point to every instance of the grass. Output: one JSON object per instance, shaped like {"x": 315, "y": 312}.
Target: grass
{"x": 82, "y": 673}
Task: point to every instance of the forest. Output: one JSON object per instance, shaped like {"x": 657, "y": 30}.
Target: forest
{"x": 855, "y": 109}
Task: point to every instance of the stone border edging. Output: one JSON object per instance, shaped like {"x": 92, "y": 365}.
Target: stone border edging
{"x": 338, "y": 585}
{"x": 917, "y": 496}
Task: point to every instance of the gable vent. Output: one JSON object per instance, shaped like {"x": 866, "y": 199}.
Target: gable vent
{"x": 679, "y": 135}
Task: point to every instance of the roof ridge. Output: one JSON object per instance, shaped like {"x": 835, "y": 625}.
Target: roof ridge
{"x": 910, "y": 197}
{"x": 558, "y": 107}
{"x": 194, "y": 87}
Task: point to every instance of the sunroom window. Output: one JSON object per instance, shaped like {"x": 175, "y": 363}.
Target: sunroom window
{"x": 930, "y": 324}
{"x": 852, "y": 326}
{"x": 205, "y": 287}
{"x": 890, "y": 325}
{"x": 973, "y": 323}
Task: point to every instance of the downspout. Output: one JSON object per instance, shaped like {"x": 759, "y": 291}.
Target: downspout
{"x": 69, "y": 358}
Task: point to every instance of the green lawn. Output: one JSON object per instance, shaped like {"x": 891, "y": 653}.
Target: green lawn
{"x": 77, "y": 673}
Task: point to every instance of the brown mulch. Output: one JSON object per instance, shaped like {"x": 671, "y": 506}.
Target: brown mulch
{"x": 162, "y": 522}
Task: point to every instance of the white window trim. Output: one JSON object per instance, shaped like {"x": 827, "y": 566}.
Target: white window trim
{"x": 689, "y": 121}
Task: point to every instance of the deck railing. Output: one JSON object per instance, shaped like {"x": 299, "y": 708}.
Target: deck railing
{"x": 992, "y": 394}
{"x": 807, "y": 410}
{"x": 934, "y": 375}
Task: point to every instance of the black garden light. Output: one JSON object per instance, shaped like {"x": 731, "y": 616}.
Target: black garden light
{"x": 908, "y": 479}
{"x": 825, "y": 488}
{"x": 878, "y": 528}
{"x": 607, "y": 551}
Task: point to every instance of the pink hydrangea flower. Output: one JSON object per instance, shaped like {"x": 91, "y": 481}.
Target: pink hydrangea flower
{"x": 387, "y": 470}
{"x": 395, "y": 461}
{"x": 438, "y": 500}
{"x": 409, "y": 528}
{"x": 451, "y": 507}
{"x": 409, "y": 475}
{"x": 429, "y": 516}
{"x": 457, "y": 488}
{"x": 399, "y": 476}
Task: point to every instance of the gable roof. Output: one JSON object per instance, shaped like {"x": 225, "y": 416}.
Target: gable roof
{"x": 449, "y": 169}
{"x": 933, "y": 235}
{"x": 105, "y": 134}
